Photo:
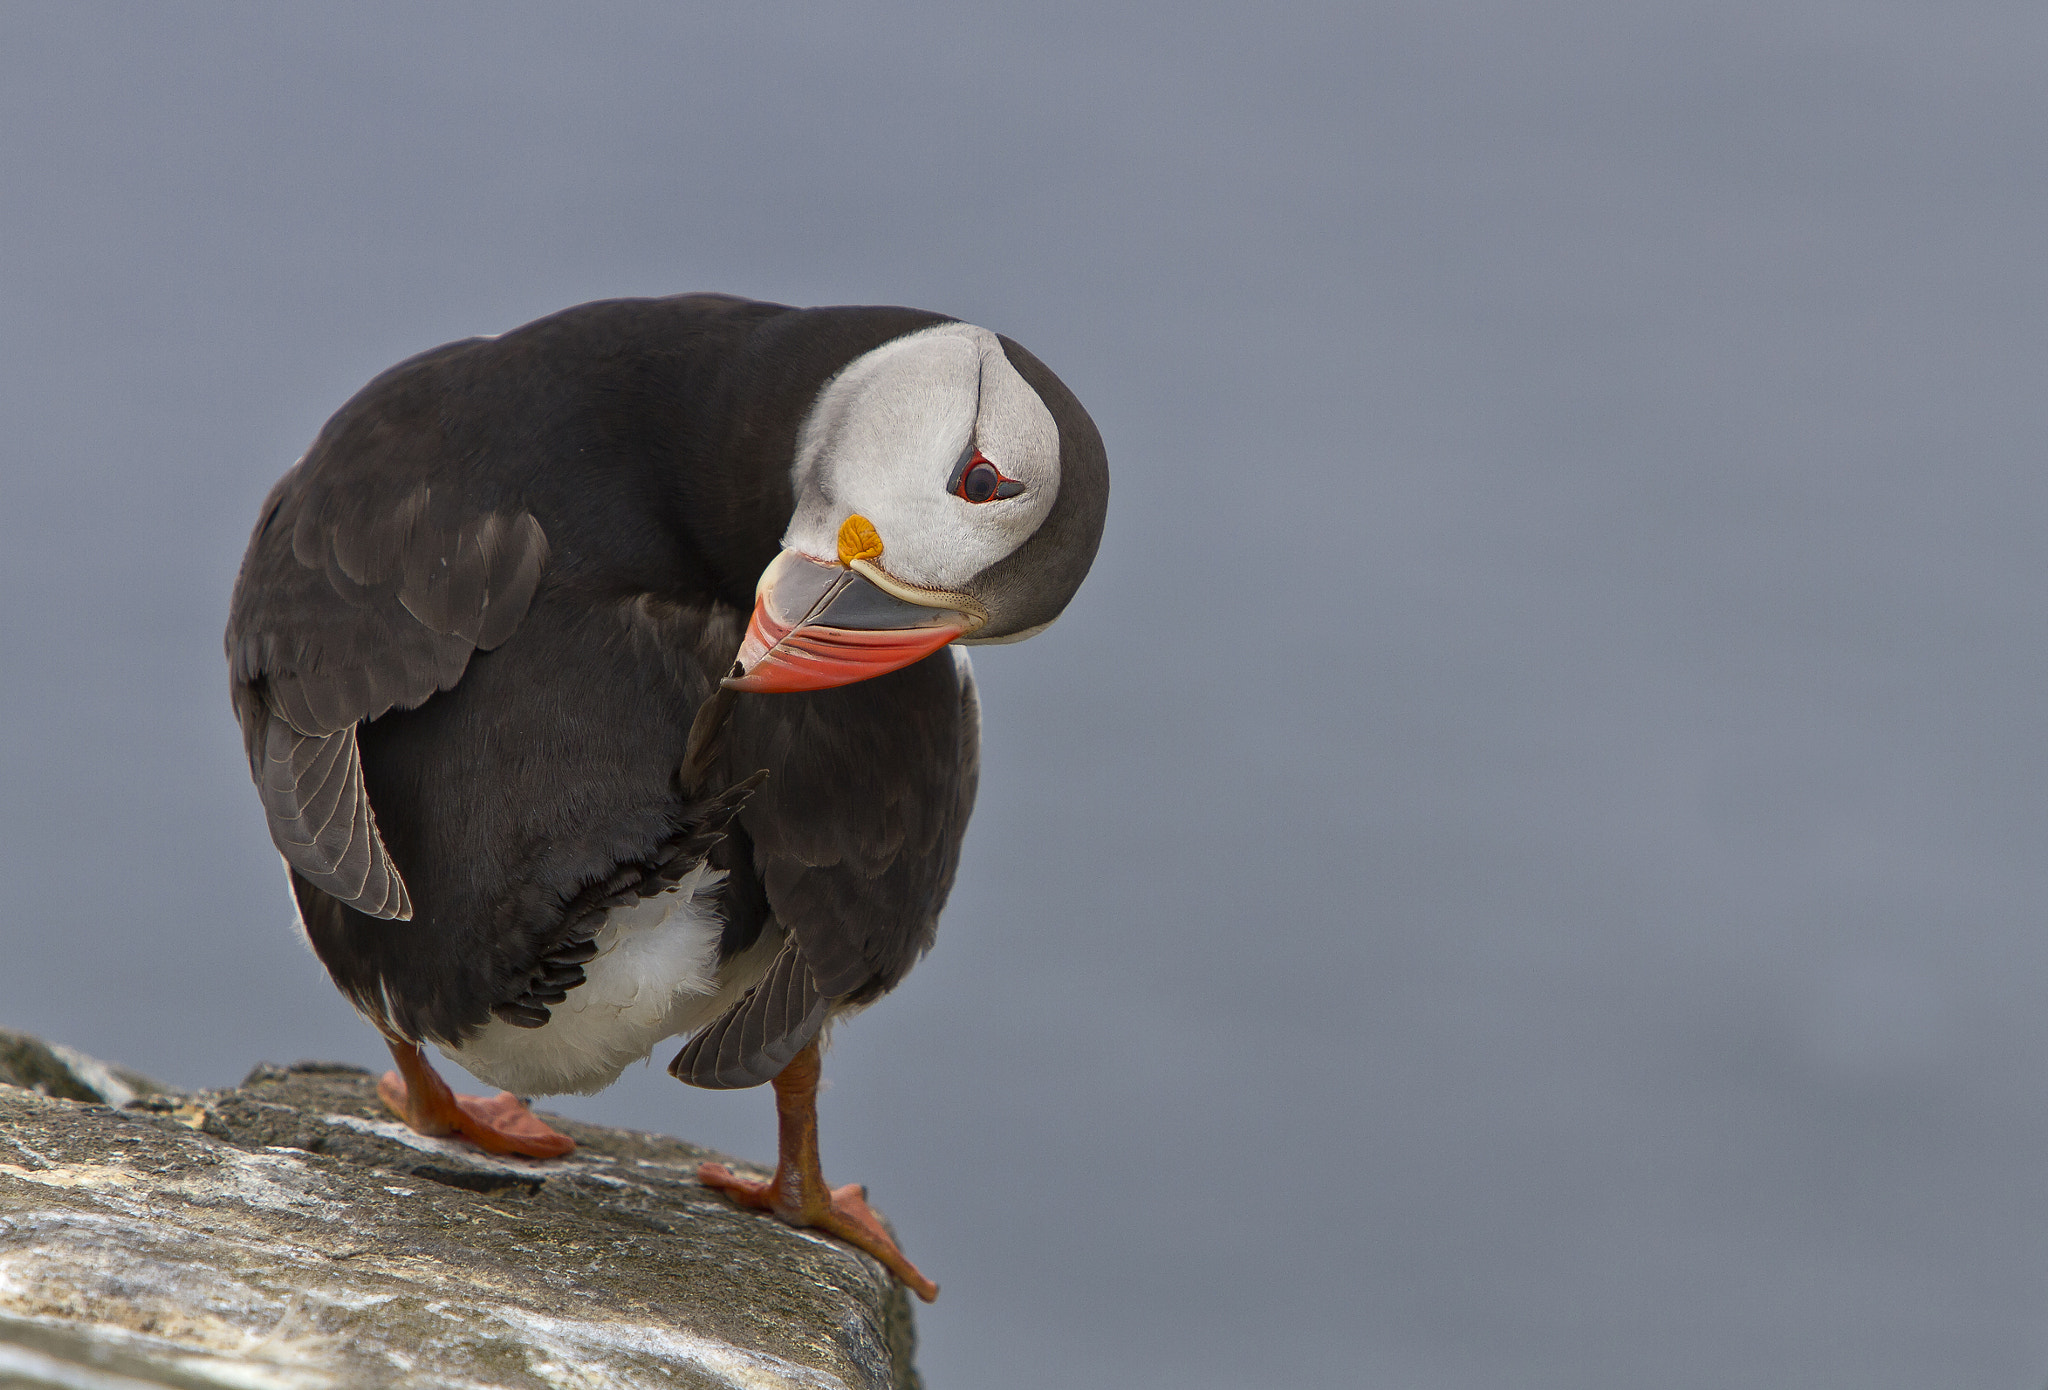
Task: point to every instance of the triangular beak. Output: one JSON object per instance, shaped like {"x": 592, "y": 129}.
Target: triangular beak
{"x": 817, "y": 625}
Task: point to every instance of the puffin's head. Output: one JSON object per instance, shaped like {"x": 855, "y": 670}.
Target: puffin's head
{"x": 948, "y": 487}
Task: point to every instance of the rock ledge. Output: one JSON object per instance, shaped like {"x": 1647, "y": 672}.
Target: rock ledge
{"x": 287, "y": 1233}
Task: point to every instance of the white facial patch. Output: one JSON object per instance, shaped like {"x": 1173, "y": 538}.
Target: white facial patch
{"x": 886, "y": 436}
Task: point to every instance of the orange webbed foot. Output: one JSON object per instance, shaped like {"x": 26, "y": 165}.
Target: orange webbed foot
{"x": 500, "y": 1124}
{"x": 845, "y": 1214}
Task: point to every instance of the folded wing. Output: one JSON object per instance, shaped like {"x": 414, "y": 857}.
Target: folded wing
{"x": 362, "y": 592}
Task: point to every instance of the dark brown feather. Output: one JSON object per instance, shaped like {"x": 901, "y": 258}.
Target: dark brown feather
{"x": 856, "y": 836}
{"x": 351, "y": 604}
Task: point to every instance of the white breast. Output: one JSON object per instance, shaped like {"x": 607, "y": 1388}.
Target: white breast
{"x": 655, "y": 976}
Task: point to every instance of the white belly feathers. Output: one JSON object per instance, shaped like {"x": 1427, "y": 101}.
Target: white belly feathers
{"x": 655, "y": 976}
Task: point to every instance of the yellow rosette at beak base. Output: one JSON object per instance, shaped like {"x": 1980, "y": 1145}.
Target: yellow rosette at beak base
{"x": 858, "y": 540}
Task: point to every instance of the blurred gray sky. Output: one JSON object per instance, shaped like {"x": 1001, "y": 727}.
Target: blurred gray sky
{"x": 1524, "y": 865}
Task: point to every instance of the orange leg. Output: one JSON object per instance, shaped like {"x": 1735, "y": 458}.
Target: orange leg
{"x": 500, "y": 1124}
{"x": 797, "y": 1193}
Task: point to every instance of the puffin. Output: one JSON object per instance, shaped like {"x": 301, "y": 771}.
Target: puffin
{"x": 602, "y": 684}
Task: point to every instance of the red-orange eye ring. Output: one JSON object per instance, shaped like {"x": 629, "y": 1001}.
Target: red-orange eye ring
{"x": 981, "y": 481}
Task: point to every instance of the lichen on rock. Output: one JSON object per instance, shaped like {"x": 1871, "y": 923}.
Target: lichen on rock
{"x": 288, "y": 1233}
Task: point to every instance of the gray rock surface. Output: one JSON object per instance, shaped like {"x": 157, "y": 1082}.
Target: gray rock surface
{"x": 289, "y": 1233}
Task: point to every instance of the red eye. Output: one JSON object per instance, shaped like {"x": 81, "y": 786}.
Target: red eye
{"x": 982, "y": 481}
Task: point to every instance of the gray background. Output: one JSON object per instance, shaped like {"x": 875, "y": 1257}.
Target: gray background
{"x": 1523, "y": 866}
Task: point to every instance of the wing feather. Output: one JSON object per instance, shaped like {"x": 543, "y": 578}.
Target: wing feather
{"x": 362, "y": 593}
{"x": 855, "y": 839}
{"x": 755, "y": 1039}
{"x": 857, "y": 834}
